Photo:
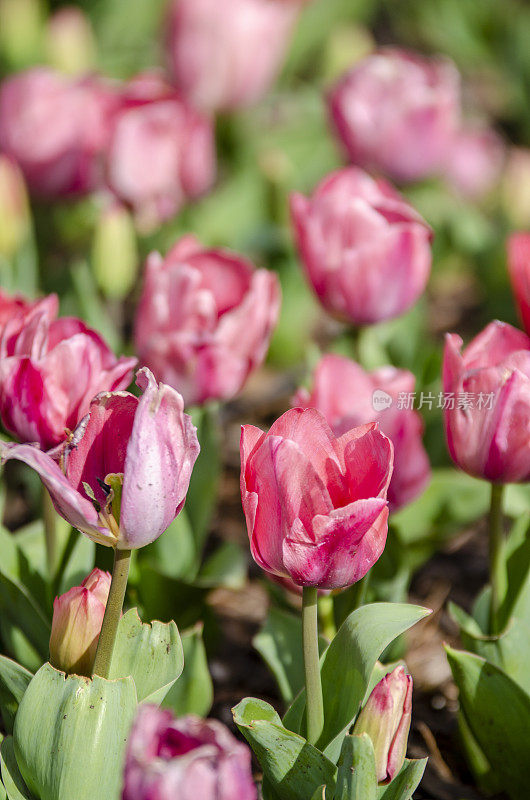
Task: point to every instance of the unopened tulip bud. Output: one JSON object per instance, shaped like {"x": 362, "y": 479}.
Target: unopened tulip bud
{"x": 21, "y": 24}
{"x": 77, "y": 619}
{"x": 114, "y": 252}
{"x": 14, "y": 208}
{"x": 69, "y": 41}
{"x": 386, "y": 719}
{"x": 516, "y": 187}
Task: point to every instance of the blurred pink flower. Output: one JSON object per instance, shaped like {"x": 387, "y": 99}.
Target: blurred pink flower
{"x": 162, "y": 151}
{"x": 474, "y": 161}
{"x": 187, "y": 758}
{"x": 488, "y": 435}
{"x": 57, "y": 129}
{"x": 16, "y": 310}
{"x": 519, "y": 270}
{"x": 366, "y": 252}
{"x": 396, "y": 113}
{"x": 346, "y": 395}
{"x": 226, "y": 55}
{"x": 315, "y": 504}
{"x": 205, "y": 319}
{"x": 127, "y": 466}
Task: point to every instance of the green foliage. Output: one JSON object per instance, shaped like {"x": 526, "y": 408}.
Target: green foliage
{"x": 356, "y": 777}
{"x": 193, "y": 691}
{"x": 14, "y": 680}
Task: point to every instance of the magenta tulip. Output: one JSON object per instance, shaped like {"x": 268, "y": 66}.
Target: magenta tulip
{"x": 16, "y": 311}
{"x": 519, "y": 269}
{"x": 487, "y": 415}
{"x": 386, "y": 719}
{"x": 57, "y": 129}
{"x": 315, "y": 504}
{"x": 226, "y": 55}
{"x": 474, "y": 161}
{"x": 396, "y": 113}
{"x": 162, "y": 151}
{"x": 125, "y": 470}
{"x": 187, "y": 758}
{"x": 205, "y": 319}
{"x": 366, "y": 252}
{"x": 348, "y": 396}
{"x": 50, "y": 369}
{"x": 76, "y": 625}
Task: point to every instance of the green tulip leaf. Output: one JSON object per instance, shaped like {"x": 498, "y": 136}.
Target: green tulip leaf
{"x": 24, "y": 612}
{"x": 202, "y": 493}
{"x": 356, "y": 777}
{"x": 294, "y": 768}
{"x": 14, "y": 680}
{"x": 15, "y": 788}
{"x": 320, "y": 793}
{"x": 193, "y": 692}
{"x": 150, "y": 653}
{"x": 3, "y": 795}
{"x": 406, "y": 782}
{"x": 497, "y": 711}
{"x": 70, "y": 735}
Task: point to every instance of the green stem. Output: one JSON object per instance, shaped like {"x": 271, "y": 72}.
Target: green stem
{"x": 496, "y": 555}
{"x": 50, "y": 533}
{"x": 326, "y": 613}
{"x": 359, "y": 591}
{"x": 313, "y": 685}
{"x": 107, "y": 637}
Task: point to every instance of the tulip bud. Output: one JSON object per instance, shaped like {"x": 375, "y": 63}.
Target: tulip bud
{"x": 77, "y": 619}
{"x": 386, "y": 719}
{"x": 69, "y": 41}
{"x": 114, "y": 252}
{"x": 14, "y": 208}
{"x": 516, "y": 187}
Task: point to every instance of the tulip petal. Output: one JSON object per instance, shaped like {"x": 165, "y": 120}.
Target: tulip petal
{"x": 368, "y": 459}
{"x": 494, "y": 344}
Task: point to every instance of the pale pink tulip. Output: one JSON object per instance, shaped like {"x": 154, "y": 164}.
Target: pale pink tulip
{"x": 474, "y": 161}
{"x": 519, "y": 270}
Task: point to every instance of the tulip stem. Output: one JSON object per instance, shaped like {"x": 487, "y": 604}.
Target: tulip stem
{"x": 313, "y": 685}
{"x": 109, "y": 628}
{"x": 50, "y": 533}
{"x": 496, "y": 555}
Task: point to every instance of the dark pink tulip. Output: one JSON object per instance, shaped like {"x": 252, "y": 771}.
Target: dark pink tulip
{"x": 396, "y": 112}
{"x": 348, "y": 396}
{"x": 76, "y": 625}
{"x": 366, "y": 252}
{"x": 50, "y": 369}
{"x": 162, "y": 151}
{"x": 487, "y": 430}
{"x": 386, "y": 719}
{"x": 16, "y": 310}
{"x": 56, "y": 128}
{"x": 315, "y": 503}
{"x": 474, "y": 161}
{"x": 126, "y": 470}
{"x": 519, "y": 269}
{"x": 187, "y": 758}
{"x": 226, "y": 55}
{"x": 205, "y": 319}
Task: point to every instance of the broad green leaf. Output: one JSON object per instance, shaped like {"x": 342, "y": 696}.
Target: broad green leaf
{"x": 15, "y": 788}
{"x": 406, "y": 782}
{"x": 202, "y": 493}
{"x": 192, "y": 693}
{"x": 150, "y": 653}
{"x": 485, "y": 777}
{"x": 3, "y": 794}
{"x": 18, "y": 646}
{"x": 77, "y": 561}
{"x": 61, "y": 718}
{"x": 347, "y": 665}
{"x": 175, "y": 554}
{"x": 279, "y": 642}
{"x": 356, "y": 777}
{"x": 320, "y": 793}
{"x": 497, "y": 711}
{"x": 294, "y": 768}
{"x": 14, "y": 681}
{"x": 226, "y": 566}
{"x": 18, "y": 606}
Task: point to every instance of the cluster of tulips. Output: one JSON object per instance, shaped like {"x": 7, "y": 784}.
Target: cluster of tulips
{"x": 93, "y": 700}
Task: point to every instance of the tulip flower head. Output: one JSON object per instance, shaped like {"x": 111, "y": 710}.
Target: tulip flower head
{"x": 348, "y": 396}
{"x": 487, "y": 425}
{"x": 315, "y": 504}
{"x": 519, "y": 270}
{"x": 366, "y": 252}
{"x": 126, "y": 469}
{"x": 187, "y": 758}
{"x": 76, "y": 625}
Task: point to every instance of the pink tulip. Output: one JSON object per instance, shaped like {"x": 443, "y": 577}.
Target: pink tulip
{"x": 315, "y": 504}
{"x": 348, "y": 396}
{"x": 16, "y": 310}
{"x": 226, "y": 55}
{"x": 77, "y": 619}
{"x": 126, "y": 469}
{"x": 396, "y": 112}
{"x": 50, "y": 369}
{"x": 56, "y": 128}
{"x": 187, "y": 758}
{"x": 366, "y": 252}
{"x": 519, "y": 269}
{"x": 162, "y": 151}
{"x": 474, "y": 161}
{"x": 386, "y": 719}
{"x": 487, "y": 430}
{"x": 205, "y": 319}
